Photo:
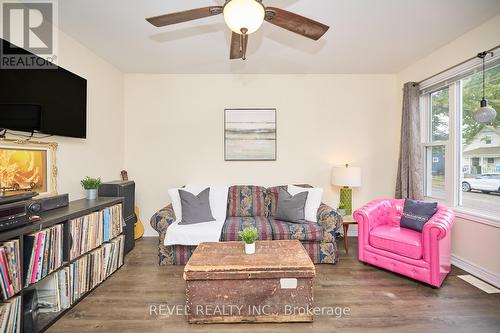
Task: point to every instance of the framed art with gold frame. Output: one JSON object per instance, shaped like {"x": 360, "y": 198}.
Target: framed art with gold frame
{"x": 28, "y": 166}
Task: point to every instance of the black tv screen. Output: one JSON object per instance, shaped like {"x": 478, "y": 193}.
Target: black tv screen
{"x": 51, "y": 101}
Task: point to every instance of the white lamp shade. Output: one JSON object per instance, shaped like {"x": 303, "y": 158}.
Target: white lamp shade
{"x": 346, "y": 176}
{"x": 248, "y": 14}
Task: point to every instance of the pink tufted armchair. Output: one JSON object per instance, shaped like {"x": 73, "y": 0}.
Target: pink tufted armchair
{"x": 421, "y": 256}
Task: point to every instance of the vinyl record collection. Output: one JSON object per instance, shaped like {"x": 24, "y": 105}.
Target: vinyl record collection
{"x": 43, "y": 253}
{"x": 44, "y": 272}
{"x": 10, "y": 316}
{"x": 10, "y": 269}
{"x": 62, "y": 289}
{"x": 50, "y": 293}
{"x": 93, "y": 268}
{"x": 90, "y": 231}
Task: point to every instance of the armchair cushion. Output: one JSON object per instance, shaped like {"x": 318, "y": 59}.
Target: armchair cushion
{"x": 402, "y": 241}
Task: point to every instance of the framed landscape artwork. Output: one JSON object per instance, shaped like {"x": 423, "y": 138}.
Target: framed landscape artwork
{"x": 27, "y": 166}
{"x": 250, "y": 134}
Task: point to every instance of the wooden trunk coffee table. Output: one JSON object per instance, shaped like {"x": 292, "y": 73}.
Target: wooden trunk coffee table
{"x": 223, "y": 284}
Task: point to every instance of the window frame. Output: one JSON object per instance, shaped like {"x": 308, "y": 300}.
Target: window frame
{"x": 453, "y": 153}
{"x": 426, "y": 135}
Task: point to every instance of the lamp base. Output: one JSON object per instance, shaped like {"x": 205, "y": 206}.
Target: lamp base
{"x": 346, "y": 199}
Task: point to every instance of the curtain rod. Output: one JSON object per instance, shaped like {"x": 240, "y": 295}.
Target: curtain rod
{"x": 459, "y": 64}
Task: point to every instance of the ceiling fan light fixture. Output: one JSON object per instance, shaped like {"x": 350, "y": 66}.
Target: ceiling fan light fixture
{"x": 241, "y": 15}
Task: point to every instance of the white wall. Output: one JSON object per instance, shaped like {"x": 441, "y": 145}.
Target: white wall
{"x": 476, "y": 243}
{"x": 102, "y": 153}
{"x": 483, "y": 37}
{"x": 175, "y": 132}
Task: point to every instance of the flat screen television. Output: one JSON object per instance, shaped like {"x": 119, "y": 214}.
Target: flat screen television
{"x": 50, "y": 101}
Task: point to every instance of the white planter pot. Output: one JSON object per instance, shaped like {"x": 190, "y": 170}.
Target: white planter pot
{"x": 341, "y": 212}
{"x": 250, "y": 248}
{"x": 92, "y": 194}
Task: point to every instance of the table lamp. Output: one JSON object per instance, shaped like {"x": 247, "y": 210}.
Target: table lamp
{"x": 347, "y": 177}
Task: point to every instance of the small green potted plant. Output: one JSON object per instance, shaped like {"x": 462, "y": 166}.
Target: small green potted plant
{"x": 249, "y": 236}
{"x": 341, "y": 209}
{"x": 91, "y": 185}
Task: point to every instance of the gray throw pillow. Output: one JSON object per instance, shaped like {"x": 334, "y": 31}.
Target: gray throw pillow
{"x": 416, "y": 214}
{"x": 291, "y": 207}
{"x": 195, "y": 208}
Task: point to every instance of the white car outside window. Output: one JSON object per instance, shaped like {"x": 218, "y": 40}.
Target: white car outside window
{"x": 488, "y": 182}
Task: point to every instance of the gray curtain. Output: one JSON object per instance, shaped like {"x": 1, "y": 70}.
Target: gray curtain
{"x": 410, "y": 175}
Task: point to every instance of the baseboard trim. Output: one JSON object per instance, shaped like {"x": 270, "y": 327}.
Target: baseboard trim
{"x": 476, "y": 270}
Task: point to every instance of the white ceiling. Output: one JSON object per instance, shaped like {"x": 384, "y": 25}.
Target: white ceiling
{"x": 366, "y": 36}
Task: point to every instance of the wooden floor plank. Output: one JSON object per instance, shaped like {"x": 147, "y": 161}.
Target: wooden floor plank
{"x": 379, "y": 301}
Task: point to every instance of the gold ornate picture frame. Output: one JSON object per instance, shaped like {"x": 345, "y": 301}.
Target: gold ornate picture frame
{"x": 28, "y": 166}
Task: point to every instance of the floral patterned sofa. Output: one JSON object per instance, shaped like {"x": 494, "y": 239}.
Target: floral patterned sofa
{"x": 255, "y": 206}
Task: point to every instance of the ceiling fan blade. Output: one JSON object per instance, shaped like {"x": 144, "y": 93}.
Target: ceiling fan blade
{"x": 296, "y": 23}
{"x": 238, "y": 46}
{"x": 188, "y": 15}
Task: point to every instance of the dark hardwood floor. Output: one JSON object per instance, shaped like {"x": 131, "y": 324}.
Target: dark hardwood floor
{"x": 379, "y": 301}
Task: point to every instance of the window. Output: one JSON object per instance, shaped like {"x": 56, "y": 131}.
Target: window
{"x": 435, "y": 160}
{"x": 487, "y": 140}
{"x": 438, "y": 134}
{"x": 462, "y": 157}
{"x": 440, "y": 119}
{"x": 479, "y": 156}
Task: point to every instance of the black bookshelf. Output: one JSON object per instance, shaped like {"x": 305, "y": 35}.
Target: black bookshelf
{"x": 62, "y": 215}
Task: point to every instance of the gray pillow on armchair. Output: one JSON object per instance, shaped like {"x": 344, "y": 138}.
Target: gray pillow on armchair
{"x": 416, "y": 214}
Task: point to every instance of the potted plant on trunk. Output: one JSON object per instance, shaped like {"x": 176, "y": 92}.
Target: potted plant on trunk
{"x": 91, "y": 185}
{"x": 249, "y": 236}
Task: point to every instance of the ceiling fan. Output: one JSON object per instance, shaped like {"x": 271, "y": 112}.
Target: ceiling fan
{"x": 244, "y": 17}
